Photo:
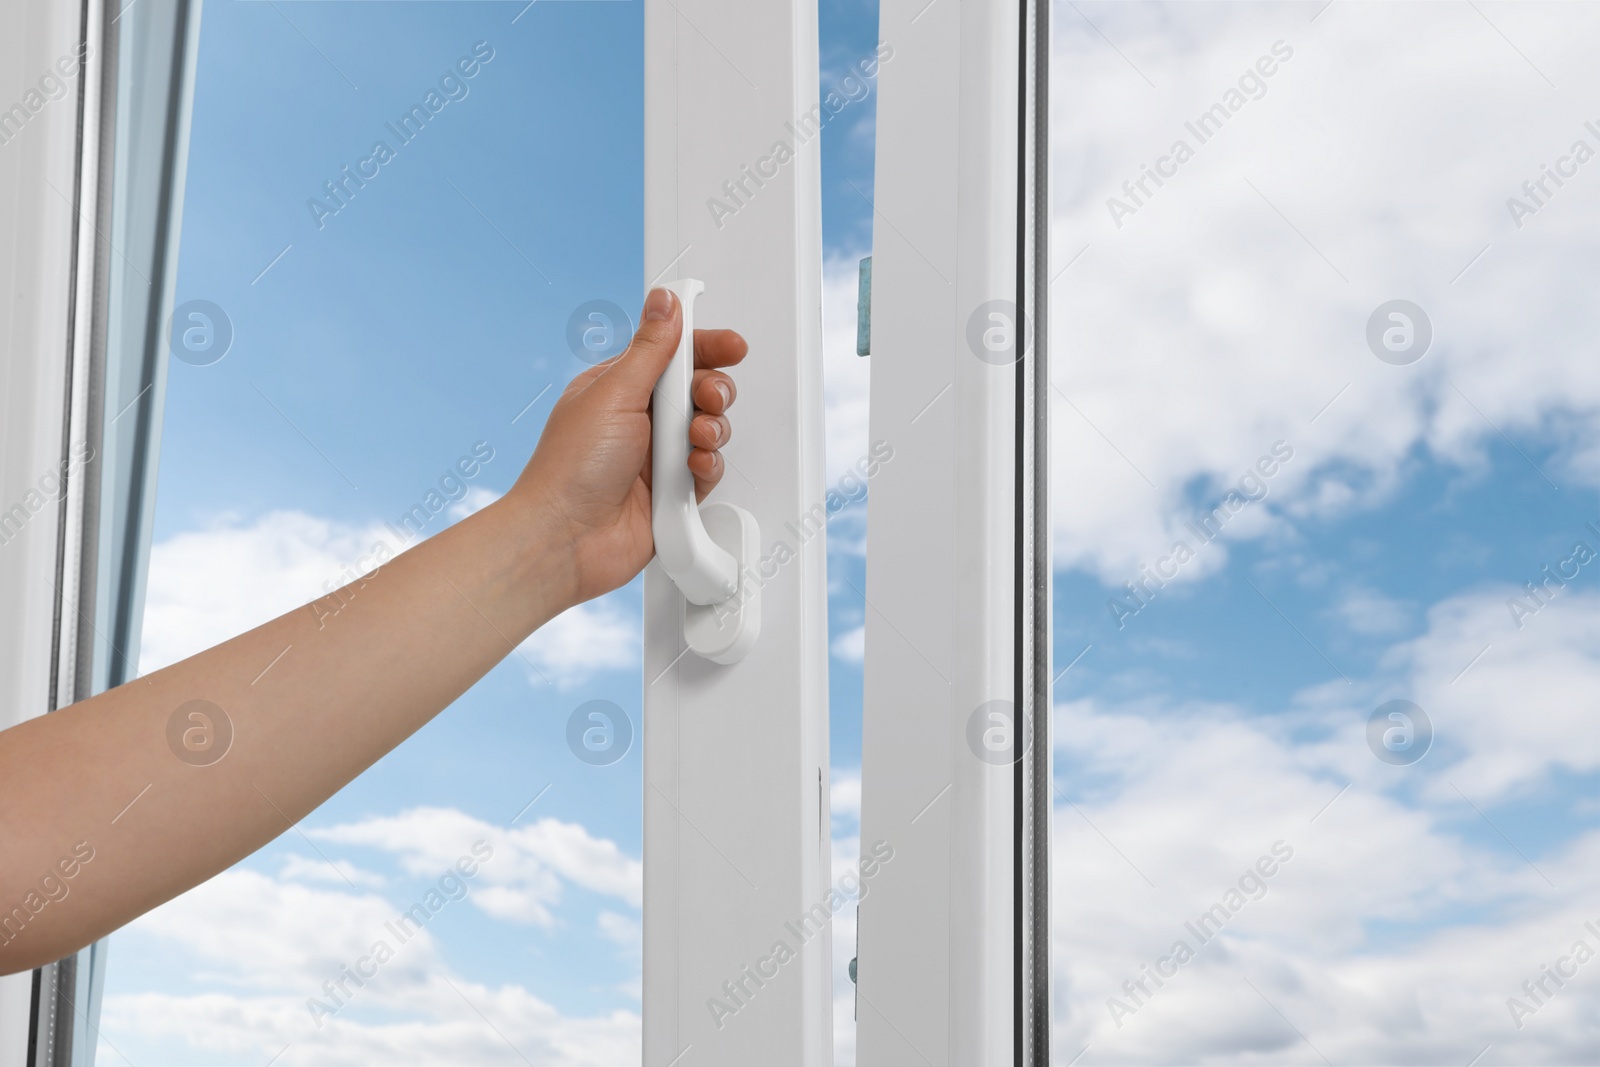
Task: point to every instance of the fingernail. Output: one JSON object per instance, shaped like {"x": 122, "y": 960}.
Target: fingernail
{"x": 726, "y": 393}
{"x": 658, "y": 305}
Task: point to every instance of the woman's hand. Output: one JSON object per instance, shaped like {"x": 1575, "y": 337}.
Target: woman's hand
{"x": 589, "y": 479}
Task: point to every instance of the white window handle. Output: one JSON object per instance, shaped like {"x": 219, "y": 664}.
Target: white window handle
{"x": 708, "y": 551}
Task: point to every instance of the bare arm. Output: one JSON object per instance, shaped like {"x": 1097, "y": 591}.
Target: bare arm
{"x": 96, "y": 789}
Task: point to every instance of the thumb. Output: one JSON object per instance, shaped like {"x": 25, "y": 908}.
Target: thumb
{"x": 636, "y": 371}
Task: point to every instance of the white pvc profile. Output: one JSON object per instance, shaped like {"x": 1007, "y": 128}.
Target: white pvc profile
{"x": 736, "y": 852}
{"x": 41, "y": 209}
{"x": 91, "y": 177}
{"x": 953, "y": 953}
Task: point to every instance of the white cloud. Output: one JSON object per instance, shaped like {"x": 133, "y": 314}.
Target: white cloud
{"x": 1206, "y": 328}
{"x": 264, "y": 946}
{"x": 622, "y": 929}
{"x": 290, "y": 934}
{"x": 628, "y": 934}
{"x": 844, "y": 794}
{"x": 522, "y": 882}
{"x": 851, "y": 646}
{"x": 210, "y": 584}
{"x": 217, "y": 582}
{"x": 1369, "y": 612}
{"x": 445, "y": 1020}
{"x": 304, "y": 869}
{"x": 583, "y": 641}
{"x": 1187, "y": 799}
{"x": 1172, "y": 802}
{"x": 475, "y": 500}
{"x": 1513, "y": 706}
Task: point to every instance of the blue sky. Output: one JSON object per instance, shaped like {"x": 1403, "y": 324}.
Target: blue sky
{"x": 1225, "y": 315}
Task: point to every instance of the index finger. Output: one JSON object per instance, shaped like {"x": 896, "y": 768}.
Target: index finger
{"x": 718, "y": 348}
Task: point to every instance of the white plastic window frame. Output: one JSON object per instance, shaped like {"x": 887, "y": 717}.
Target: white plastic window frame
{"x": 91, "y": 172}
{"x": 736, "y": 821}
{"x": 953, "y": 951}
{"x": 39, "y": 227}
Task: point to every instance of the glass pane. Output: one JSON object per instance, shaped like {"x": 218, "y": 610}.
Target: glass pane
{"x": 849, "y": 49}
{"x": 393, "y": 214}
{"x": 1326, "y": 524}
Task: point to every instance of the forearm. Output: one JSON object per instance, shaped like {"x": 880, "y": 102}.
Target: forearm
{"x": 313, "y": 698}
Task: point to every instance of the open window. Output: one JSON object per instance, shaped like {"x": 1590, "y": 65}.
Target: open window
{"x": 294, "y": 253}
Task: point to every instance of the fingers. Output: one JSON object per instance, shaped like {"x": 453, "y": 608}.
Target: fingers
{"x": 635, "y": 372}
{"x": 630, "y": 378}
{"x": 718, "y": 348}
{"x": 710, "y": 431}
{"x": 707, "y": 468}
{"x": 713, "y": 391}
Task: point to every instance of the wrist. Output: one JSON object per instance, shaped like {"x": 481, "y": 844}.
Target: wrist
{"x": 540, "y": 562}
